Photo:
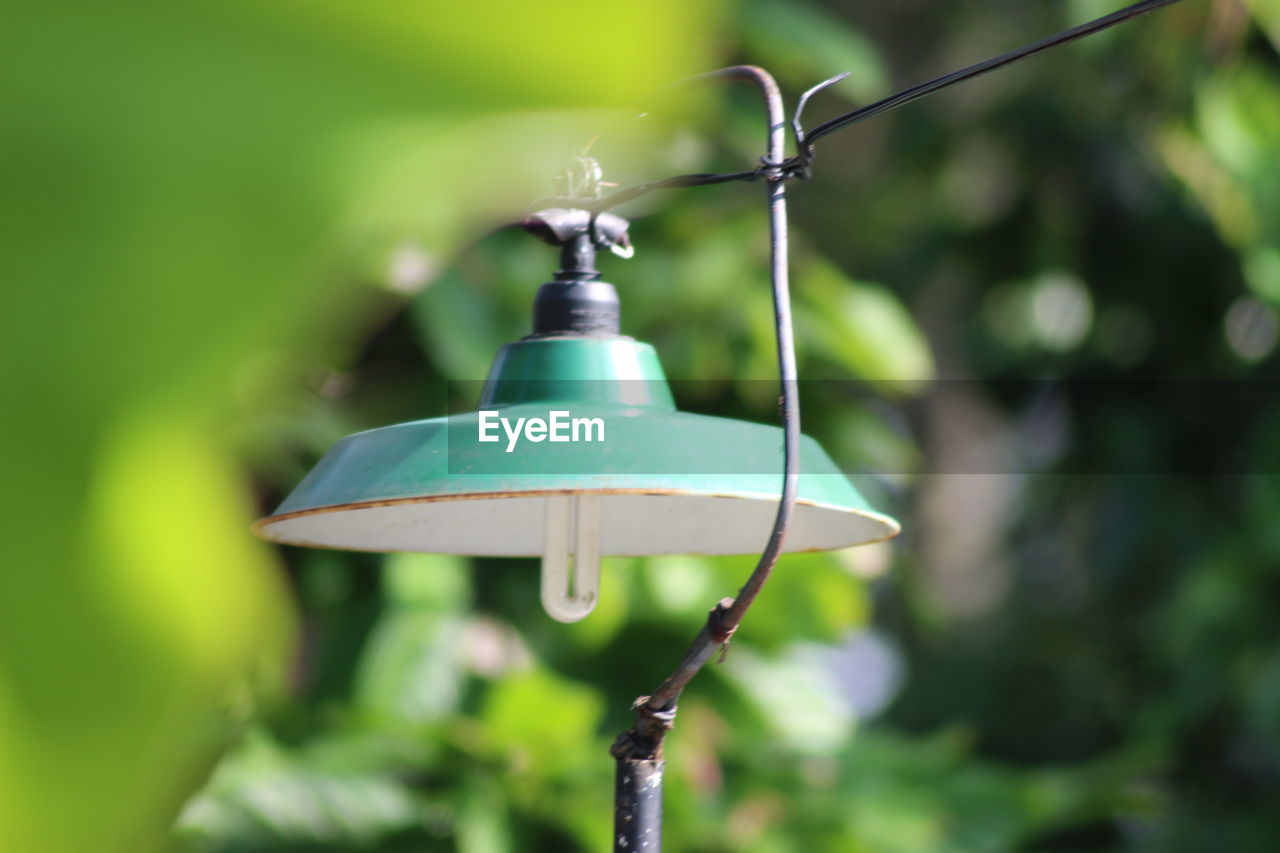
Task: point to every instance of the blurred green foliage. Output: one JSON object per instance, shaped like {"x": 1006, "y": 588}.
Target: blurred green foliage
{"x": 235, "y": 232}
{"x": 186, "y": 189}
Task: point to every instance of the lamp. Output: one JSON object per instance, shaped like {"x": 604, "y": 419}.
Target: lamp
{"x": 575, "y": 452}
{"x": 658, "y": 481}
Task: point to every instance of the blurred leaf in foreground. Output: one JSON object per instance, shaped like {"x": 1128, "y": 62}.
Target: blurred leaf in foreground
{"x": 175, "y": 178}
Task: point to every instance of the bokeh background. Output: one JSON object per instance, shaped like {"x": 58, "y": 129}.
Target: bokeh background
{"x": 234, "y": 232}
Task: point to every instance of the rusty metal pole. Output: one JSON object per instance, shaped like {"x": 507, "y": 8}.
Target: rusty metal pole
{"x": 637, "y": 816}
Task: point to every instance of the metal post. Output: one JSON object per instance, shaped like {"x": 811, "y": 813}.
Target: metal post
{"x": 637, "y": 816}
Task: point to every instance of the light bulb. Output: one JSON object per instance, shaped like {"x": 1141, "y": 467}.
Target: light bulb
{"x": 573, "y": 531}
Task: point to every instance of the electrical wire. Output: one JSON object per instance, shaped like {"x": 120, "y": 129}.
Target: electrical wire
{"x": 797, "y": 166}
{"x": 916, "y": 92}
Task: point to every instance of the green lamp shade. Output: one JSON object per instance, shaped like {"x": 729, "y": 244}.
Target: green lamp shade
{"x": 666, "y": 482}
{"x": 576, "y": 452}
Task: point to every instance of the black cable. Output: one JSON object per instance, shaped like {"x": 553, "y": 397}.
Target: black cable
{"x": 797, "y": 167}
{"x": 700, "y": 179}
{"x": 916, "y": 92}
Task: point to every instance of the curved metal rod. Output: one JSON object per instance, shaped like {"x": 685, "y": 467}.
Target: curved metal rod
{"x": 655, "y": 712}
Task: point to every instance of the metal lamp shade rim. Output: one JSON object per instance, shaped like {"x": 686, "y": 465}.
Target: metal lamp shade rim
{"x": 872, "y": 526}
{"x": 666, "y": 482}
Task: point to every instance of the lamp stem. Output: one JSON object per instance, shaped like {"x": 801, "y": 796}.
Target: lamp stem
{"x": 578, "y": 259}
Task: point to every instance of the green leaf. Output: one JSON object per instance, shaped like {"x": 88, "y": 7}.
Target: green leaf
{"x": 412, "y": 667}
{"x": 264, "y": 796}
{"x": 797, "y": 693}
{"x": 861, "y": 326}
{"x": 176, "y": 183}
{"x": 774, "y": 28}
{"x": 540, "y": 721}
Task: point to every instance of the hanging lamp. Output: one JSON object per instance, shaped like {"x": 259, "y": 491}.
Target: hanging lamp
{"x": 576, "y": 451}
